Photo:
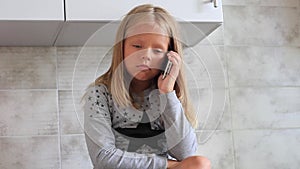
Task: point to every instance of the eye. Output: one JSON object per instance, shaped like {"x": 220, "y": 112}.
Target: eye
{"x": 158, "y": 51}
{"x": 137, "y": 46}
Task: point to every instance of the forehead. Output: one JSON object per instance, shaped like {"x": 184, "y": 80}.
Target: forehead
{"x": 145, "y": 28}
{"x": 152, "y": 38}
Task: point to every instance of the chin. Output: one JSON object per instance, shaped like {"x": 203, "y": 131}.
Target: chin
{"x": 144, "y": 77}
{"x": 141, "y": 78}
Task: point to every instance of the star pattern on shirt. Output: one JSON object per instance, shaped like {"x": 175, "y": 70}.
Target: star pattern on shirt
{"x": 144, "y": 137}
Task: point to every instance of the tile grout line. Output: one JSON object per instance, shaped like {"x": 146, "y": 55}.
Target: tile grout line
{"x": 245, "y": 129}
{"x": 262, "y": 129}
{"x": 264, "y": 86}
{"x": 26, "y": 136}
{"x": 229, "y": 102}
{"x": 15, "y": 90}
{"x": 232, "y": 131}
{"x": 58, "y": 111}
{"x": 33, "y": 136}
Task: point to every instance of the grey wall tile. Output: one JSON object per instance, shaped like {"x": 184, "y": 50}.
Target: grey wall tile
{"x": 28, "y": 113}
{"x": 212, "y": 108}
{"x": 74, "y": 152}
{"x": 269, "y": 108}
{"x": 66, "y": 59}
{"x": 256, "y": 25}
{"x": 218, "y": 149}
{"x": 261, "y": 149}
{"x": 263, "y": 66}
{"x": 71, "y": 114}
{"x": 29, "y": 152}
{"x": 27, "y": 68}
{"x": 78, "y": 67}
{"x": 205, "y": 66}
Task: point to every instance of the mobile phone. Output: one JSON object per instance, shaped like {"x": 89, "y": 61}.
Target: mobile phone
{"x": 169, "y": 63}
{"x": 167, "y": 69}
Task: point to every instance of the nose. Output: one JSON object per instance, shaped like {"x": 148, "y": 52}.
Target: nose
{"x": 147, "y": 54}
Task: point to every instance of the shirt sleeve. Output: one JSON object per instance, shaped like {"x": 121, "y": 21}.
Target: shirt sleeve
{"x": 181, "y": 137}
{"x": 100, "y": 138}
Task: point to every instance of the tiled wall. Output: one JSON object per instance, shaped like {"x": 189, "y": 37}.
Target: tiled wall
{"x": 259, "y": 47}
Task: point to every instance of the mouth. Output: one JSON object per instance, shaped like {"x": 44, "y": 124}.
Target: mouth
{"x": 143, "y": 67}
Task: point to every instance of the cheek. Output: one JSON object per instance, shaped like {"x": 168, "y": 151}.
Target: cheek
{"x": 128, "y": 62}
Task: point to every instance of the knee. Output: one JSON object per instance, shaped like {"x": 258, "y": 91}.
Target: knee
{"x": 202, "y": 162}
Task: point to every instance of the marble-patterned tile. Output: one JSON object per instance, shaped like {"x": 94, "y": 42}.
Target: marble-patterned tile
{"x": 66, "y": 60}
{"x": 263, "y": 66}
{"x": 71, "y": 114}
{"x": 261, "y": 149}
{"x": 218, "y": 149}
{"x": 29, "y": 152}
{"x": 205, "y": 66}
{"x": 257, "y": 25}
{"x": 74, "y": 153}
{"x": 280, "y": 3}
{"x": 80, "y": 66}
{"x": 265, "y": 108}
{"x": 28, "y": 113}
{"x": 27, "y": 68}
{"x": 212, "y": 108}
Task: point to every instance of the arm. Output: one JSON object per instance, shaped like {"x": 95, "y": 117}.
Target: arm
{"x": 100, "y": 140}
{"x": 181, "y": 138}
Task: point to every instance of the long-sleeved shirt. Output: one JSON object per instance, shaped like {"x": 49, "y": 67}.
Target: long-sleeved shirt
{"x": 136, "y": 138}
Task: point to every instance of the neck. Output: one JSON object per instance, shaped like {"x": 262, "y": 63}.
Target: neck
{"x": 138, "y": 86}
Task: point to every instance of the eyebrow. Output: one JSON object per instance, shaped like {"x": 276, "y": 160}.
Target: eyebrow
{"x": 157, "y": 43}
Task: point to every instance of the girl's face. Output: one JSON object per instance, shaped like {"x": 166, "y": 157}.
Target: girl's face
{"x": 144, "y": 55}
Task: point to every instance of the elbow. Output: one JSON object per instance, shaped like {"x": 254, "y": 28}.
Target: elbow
{"x": 195, "y": 146}
{"x": 184, "y": 149}
{"x": 97, "y": 161}
{"x": 97, "y": 155}
{"x": 100, "y": 162}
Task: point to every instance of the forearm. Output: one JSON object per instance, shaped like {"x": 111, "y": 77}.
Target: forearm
{"x": 115, "y": 158}
{"x": 179, "y": 133}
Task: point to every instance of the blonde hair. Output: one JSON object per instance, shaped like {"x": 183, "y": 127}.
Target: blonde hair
{"x": 114, "y": 78}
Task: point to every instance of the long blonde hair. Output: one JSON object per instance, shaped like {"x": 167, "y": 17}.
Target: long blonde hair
{"x": 114, "y": 78}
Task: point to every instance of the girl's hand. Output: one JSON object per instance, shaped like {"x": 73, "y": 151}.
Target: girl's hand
{"x": 167, "y": 85}
{"x": 194, "y": 162}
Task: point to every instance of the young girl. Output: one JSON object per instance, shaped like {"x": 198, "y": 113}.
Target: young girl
{"x": 135, "y": 117}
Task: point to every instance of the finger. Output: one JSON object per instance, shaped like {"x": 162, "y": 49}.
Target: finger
{"x": 174, "y": 57}
{"x": 173, "y": 60}
{"x": 174, "y": 54}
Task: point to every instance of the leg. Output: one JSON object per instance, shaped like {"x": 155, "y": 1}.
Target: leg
{"x": 194, "y": 162}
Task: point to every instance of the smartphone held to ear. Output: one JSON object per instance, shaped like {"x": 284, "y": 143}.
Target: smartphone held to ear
{"x": 167, "y": 69}
{"x": 169, "y": 63}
